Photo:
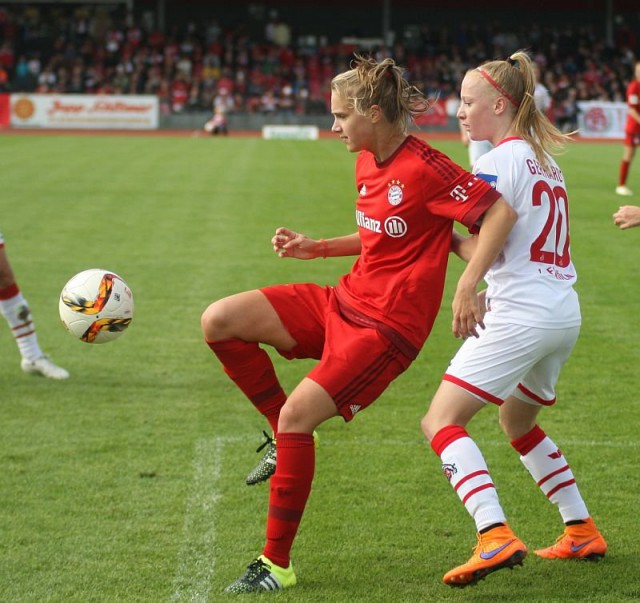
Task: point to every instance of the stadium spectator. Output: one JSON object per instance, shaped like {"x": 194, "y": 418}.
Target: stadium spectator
{"x": 367, "y": 330}
{"x": 628, "y": 216}
{"x": 287, "y": 102}
{"x": 268, "y": 103}
{"x": 631, "y": 132}
{"x": 565, "y": 111}
{"x": 541, "y": 95}
{"x": 530, "y": 327}
{"x": 16, "y": 312}
{"x": 218, "y": 124}
{"x": 223, "y": 104}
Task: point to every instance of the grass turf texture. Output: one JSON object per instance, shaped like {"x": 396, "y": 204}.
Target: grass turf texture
{"x": 126, "y": 483}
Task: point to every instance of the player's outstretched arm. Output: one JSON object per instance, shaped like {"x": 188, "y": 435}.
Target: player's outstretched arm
{"x": 291, "y": 244}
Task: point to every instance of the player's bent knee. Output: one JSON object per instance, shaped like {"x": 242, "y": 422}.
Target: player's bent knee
{"x": 292, "y": 419}
{"x": 214, "y": 322}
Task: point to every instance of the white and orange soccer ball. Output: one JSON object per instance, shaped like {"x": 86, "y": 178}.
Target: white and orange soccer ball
{"x": 96, "y": 306}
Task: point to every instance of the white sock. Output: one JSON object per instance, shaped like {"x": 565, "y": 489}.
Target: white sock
{"x": 18, "y": 316}
{"x": 552, "y": 473}
{"x": 465, "y": 467}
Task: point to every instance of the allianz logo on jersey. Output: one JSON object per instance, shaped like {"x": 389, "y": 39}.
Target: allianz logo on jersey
{"x": 394, "y": 226}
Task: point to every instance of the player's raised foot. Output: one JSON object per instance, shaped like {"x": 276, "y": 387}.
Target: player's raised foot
{"x": 496, "y": 549}
{"x": 579, "y": 541}
{"x": 261, "y": 575}
{"x": 44, "y": 366}
{"x": 624, "y": 191}
{"x": 267, "y": 464}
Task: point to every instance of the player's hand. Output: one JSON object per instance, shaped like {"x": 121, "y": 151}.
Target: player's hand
{"x": 627, "y": 216}
{"x": 290, "y": 244}
{"x": 468, "y": 313}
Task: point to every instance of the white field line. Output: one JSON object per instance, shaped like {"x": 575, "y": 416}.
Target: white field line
{"x": 197, "y": 556}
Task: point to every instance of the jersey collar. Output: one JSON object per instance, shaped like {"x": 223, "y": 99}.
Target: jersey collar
{"x": 509, "y": 139}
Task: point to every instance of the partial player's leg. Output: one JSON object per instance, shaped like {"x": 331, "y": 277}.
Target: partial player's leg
{"x": 308, "y": 406}
{"x": 549, "y": 468}
{"x": 235, "y": 326}
{"x": 627, "y": 157}
{"x": 464, "y": 466}
{"x": 15, "y": 309}
{"x": 357, "y": 365}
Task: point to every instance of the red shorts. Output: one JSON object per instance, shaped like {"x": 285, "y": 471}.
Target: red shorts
{"x": 631, "y": 139}
{"x": 356, "y": 363}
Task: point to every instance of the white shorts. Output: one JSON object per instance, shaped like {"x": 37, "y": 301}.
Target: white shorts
{"x": 1, "y": 240}
{"x": 509, "y": 359}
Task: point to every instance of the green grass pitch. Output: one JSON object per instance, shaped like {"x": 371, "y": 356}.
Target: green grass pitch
{"x": 126, "y": 483}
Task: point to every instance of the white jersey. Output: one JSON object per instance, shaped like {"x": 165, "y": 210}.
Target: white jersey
{"x": 531, "y": 282}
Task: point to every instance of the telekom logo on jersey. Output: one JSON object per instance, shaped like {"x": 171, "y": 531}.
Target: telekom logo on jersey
{"x": 394, "y": 226}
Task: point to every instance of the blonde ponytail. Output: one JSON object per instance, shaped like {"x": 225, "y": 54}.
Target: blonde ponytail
{"x": 516, "y": 78}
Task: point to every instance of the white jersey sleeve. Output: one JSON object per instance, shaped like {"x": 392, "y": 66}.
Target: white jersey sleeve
{"x": 531, "y": 282}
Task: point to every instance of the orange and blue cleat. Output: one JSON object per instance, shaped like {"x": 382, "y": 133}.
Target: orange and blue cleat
{"x": 496, "y": 549}
{"x": 579, "y": 541}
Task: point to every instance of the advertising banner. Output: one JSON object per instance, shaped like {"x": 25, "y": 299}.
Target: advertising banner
{"x": 599, "y": 119}
{"x": 84, "y": 111}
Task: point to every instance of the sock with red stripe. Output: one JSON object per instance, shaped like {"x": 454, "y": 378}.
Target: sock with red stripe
{"x": 550, "y": 470}
{"x": 624, "y": 172}
{"x": 465, "y": 468}
{"x": 16, "y": 311}
{"x": 251, "y": 369}
{"x": 289, "y": 490}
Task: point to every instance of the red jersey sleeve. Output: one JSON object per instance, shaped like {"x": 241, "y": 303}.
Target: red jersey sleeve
{"x": 455, "y": 193}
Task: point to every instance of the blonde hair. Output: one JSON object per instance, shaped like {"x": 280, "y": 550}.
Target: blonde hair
{"x": 370, "y": 82}
{"x": 515, "y": 80}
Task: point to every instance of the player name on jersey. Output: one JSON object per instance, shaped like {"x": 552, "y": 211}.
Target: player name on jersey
{"x": 554, "y": 173}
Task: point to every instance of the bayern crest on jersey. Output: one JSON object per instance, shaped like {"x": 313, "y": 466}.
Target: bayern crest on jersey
{"x": 395, "y": 193}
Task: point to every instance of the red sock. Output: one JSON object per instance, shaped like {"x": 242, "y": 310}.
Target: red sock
{"x": 252, "y": 371}
{"x": 289, "y": 491}
{"x": 9, "y": 292}
{"x": 624, "y": 172}
{"x": 526, "y": 443}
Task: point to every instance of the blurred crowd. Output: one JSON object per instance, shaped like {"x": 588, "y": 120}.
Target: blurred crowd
{"x": 94, "y": 49}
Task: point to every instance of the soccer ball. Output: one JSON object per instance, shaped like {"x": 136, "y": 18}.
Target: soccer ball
{"x": 96, "y": 306}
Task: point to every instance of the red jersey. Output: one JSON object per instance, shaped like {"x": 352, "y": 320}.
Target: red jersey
{"x": 633, "y": 101}
{"x": 405, "y": 212}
